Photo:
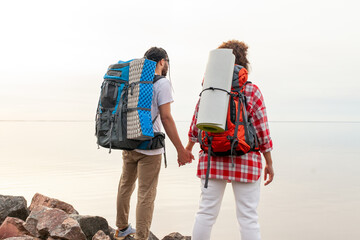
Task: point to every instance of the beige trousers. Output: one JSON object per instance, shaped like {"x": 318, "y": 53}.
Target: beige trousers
{"x": 146, "y": 168}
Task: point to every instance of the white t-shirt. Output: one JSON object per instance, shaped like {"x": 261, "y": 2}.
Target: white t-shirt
{"x": 162, "y": 94}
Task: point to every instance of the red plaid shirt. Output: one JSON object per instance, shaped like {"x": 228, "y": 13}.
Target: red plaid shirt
{"x": 247, "y": 167}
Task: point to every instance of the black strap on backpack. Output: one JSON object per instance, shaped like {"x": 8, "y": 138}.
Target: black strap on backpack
{"x": 214, "y": 88}
{"x": 241, "y": 103}
{"x": 157, "y": 78}
{"x": 209, "y": 138}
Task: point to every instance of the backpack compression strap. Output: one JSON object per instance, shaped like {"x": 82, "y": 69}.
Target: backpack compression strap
{"x": 209, "y": 138}
{"x": 213, "y": 88}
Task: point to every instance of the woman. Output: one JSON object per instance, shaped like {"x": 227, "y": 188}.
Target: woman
{"x": 244, "y": 175}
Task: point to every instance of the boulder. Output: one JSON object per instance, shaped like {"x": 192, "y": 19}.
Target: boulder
{"x": 100, "y": 235}
{"x": 69, "y": 229}
{"x": 90, "y": 225}
{"x": 12, "y": 227}
{"x": 41, "y": 200}
{"x": 151, "y": 237}
{"x": 111, "y": 233}
{"x": 43, "y": 220}
{"x": 53, "y": 223}
{"x": 130, "y": 238}
{"x": 23, "y": 238}
{"x": 11, "y": 206}
{"x": 176, "y": 236}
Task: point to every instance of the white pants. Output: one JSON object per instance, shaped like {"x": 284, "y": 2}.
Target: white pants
{"x": 247, "y": 199}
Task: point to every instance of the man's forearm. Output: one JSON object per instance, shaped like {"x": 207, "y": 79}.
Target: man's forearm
{"x": 171, "y": 131}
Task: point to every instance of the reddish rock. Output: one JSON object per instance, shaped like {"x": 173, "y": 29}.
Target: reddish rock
{"x": 23, "y": 238}
{"x": 69, "y": 229}
{"x": 11, "y": 206}
{"x": 100, "y": 235}
{"x": 12, "y": 227}
{"x": 43, "y": 220}
{"x": 176, "y": 236}
{"x": 41, "y": 200}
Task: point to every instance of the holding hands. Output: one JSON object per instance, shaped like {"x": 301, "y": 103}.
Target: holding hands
{"x": 185, "y": 156}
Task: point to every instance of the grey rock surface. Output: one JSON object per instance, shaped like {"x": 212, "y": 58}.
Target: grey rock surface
{"x": 90, "y": 225}
{"x": 176, "y": 236}
{"x": 13, "y": 206}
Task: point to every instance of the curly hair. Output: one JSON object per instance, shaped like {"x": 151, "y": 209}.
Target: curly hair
{"x": 239, "y": 50}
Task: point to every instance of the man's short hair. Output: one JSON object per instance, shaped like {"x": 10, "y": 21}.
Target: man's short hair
{"x": 156, "y": 54}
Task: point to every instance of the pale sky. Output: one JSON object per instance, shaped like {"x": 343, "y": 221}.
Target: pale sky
{"x": 304, "y": 54}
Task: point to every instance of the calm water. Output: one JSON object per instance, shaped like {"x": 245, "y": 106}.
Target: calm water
{"x": 315, "y": 194}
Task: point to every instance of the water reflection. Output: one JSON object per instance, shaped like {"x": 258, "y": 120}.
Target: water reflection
{"x": 315, "y": 195}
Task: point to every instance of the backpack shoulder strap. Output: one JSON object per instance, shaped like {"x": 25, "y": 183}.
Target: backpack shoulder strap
{"x": 157, "y": 78}
{"x": 242, "y": 88}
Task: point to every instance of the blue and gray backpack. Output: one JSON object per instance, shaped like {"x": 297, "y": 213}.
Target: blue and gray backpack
{"x": 123, "y": 117}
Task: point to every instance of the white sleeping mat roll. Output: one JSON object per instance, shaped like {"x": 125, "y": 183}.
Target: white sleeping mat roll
{"x": 213, "y": 105}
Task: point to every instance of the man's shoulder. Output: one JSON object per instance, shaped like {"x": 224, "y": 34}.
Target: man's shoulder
{"x": 162, "y": 83}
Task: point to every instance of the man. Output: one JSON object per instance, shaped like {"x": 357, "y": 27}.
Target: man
{"x": 145, "y": 164}
{"x": 245, "y": 174}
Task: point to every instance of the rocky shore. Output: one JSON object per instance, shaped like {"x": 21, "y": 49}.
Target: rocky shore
{"x": 51, "y": 219}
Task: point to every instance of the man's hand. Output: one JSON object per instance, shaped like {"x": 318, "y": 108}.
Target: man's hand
{"x": 268, "y": 174}
{"x": 184, "y": 156}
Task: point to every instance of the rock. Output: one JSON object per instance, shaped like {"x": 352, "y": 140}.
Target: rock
{"x": 69, "y": 229}
{"x": 100, "y": 235}
{"x": 53, "y": 223}
{"x": 90, "y": 225}
{"x": 41, "y": 200}
{"x": 129, "y": 238}
{"x": 23, "y": 238}
{"x": 12, "y": 227}
{"x": 152, "y": 236}
{"x": 43, "y": 220}
{"x": 176, "y": 236}
{"x": 111, "y": 233}
{"x": 11, "y": 206}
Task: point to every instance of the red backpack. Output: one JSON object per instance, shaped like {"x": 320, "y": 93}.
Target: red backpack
{"x": 239, "y": 136}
